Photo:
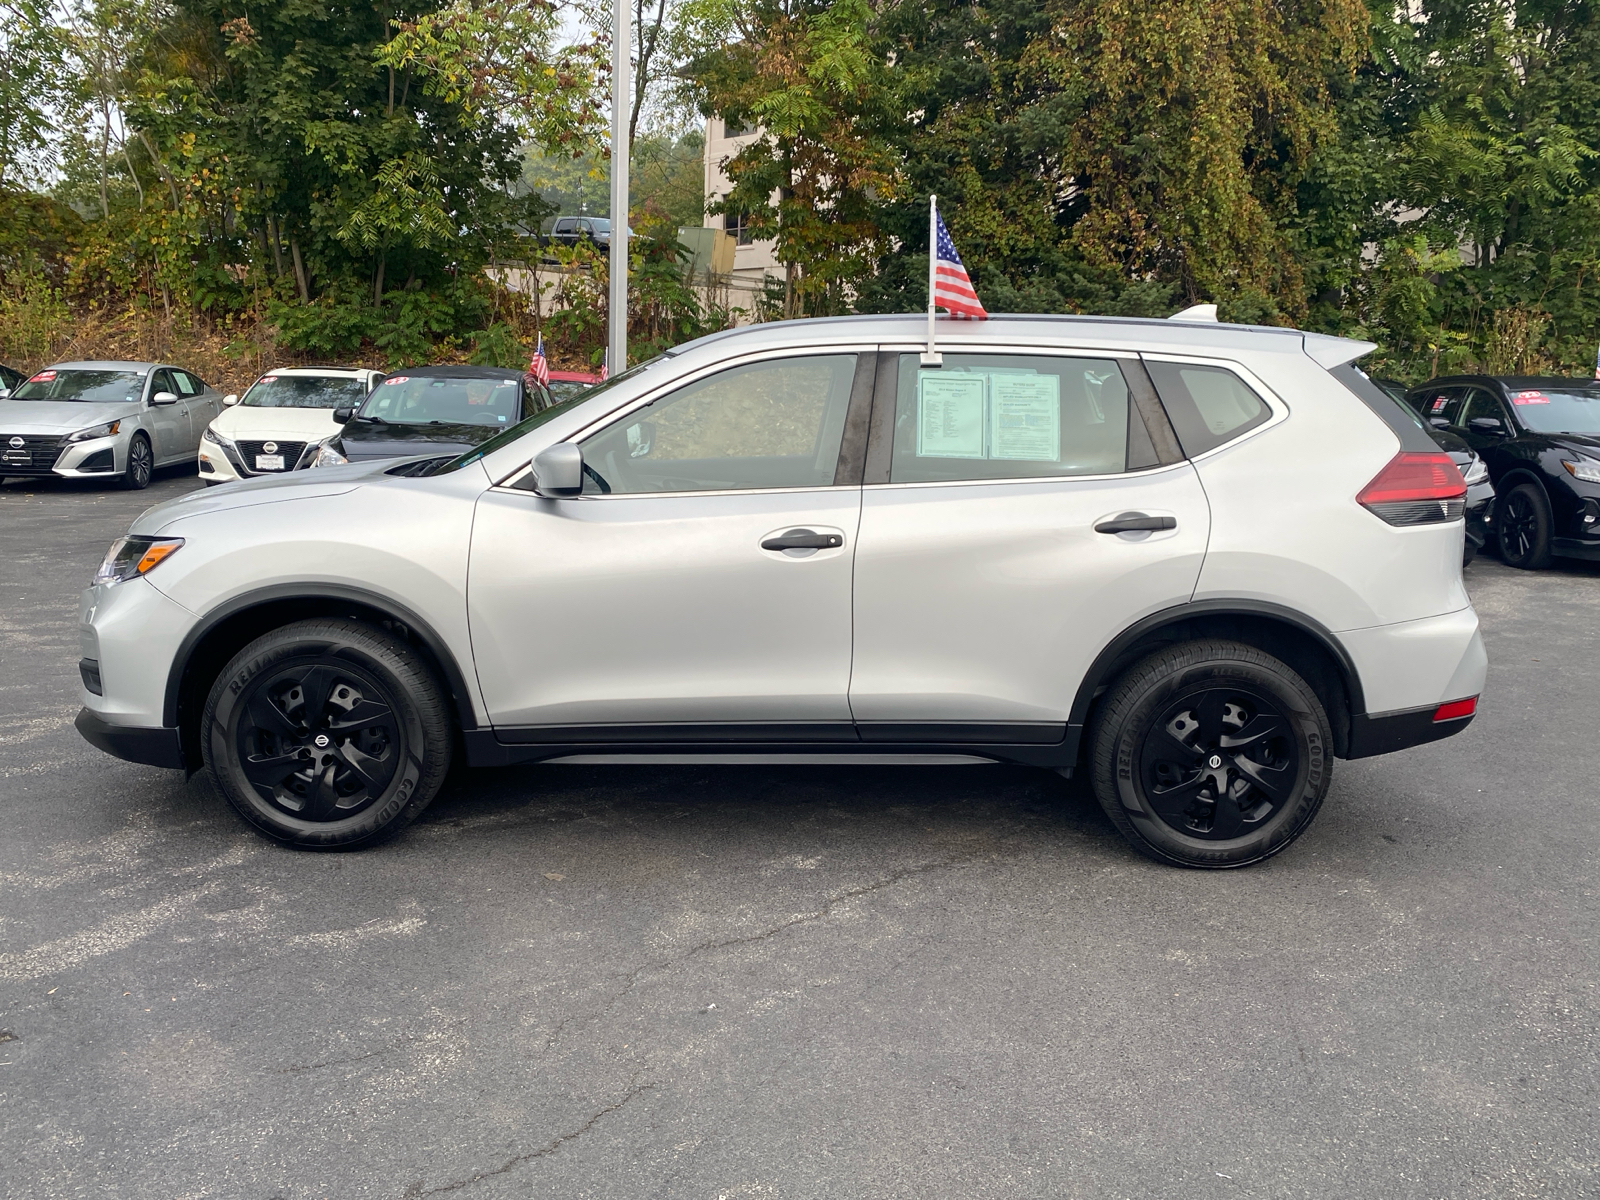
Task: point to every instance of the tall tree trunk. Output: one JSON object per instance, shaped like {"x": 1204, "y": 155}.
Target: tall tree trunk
{"x": 300, "y": 279}
{"x": 277, "y": 246}
{"x": 377, "y": 280}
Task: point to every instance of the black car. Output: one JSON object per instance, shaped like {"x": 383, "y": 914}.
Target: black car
{"x": 1540, "y": 438}
{"x": 1480, "y": 489}
{"x": 10, "y": 380}
{"x": 432, "y": 410}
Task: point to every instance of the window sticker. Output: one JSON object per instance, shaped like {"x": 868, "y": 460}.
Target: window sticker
{"x": 43, "y": 377}
{"x": 1438, "y": 404}
{"x": 269, "y": 379}
{"x": 1529, "y": 398}
{"x": 506, "y": 383}
{"x": 394, "y": 379}
{"x": 1025, "y": 417}
{"x": 949, "y": 415}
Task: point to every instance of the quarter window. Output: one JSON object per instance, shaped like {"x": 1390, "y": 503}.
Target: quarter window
{"x": 1003, "y": 416}
{"x": 773, "y": 424}
{"x": 1207, "y": 405}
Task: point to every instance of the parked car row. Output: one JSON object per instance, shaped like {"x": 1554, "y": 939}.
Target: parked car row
{"x": 121, "y": 420}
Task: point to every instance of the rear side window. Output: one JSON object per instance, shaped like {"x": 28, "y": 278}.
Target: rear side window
{"x": 1012, "y": 416}
{"x": 1207, "y": 405}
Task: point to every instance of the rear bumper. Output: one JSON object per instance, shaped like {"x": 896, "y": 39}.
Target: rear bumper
{"x": 1384, "y": 733}
{"x": 153, "y": 747}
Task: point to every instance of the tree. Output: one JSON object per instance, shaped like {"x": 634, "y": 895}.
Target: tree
{"x": 34, "y": 90}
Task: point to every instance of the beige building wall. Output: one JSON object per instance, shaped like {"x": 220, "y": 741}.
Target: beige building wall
{"x": 751, "y": 260}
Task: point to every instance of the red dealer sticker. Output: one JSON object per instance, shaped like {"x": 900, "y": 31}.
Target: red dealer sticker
{"x": 43, "y": 377}
{"x": 1438, "y": 405}
{"x": 269, "y": 379}
{"x": 1529, "y": 398}
{"x": 393, "y": 379}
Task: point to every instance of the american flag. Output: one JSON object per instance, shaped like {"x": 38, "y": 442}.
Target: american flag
{"x": 605, "y": 367}
{"x": 539, "y": 366}
{"x": 952, "y": 289}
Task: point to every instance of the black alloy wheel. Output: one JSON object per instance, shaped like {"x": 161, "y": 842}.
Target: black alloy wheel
{"x": 1523, "y": 521}
{"x": 327, "y": 733}
{"x": 141, "y": 464}
{"x": 1218, "y": 761}
{"x": 1211, "y": 754}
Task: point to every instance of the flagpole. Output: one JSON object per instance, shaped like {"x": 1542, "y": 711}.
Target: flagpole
{"x": 931, "y": 356}
{"x": 620, "y": 99}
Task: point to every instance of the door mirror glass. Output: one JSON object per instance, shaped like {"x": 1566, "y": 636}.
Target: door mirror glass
{"x": 558, "y": 470}
{"x": 342, "y": 415}
{"x": 230, "y": 400}
{"x": 164, "y": 398}
{"x": 5, "y": 393}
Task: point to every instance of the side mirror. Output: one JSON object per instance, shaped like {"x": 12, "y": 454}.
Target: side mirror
{"x": 558, "y": 471}
{"x": 5, "y": 393}
{"x": 1487, "y": 425}
{"x": 164, "y": 398}
{"x": 230, "y": 400}
{"x": 341, "y": 416}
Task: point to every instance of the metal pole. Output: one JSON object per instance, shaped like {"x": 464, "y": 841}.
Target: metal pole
{"x": 931, "y": 356}
{"x": 620, "y": 104}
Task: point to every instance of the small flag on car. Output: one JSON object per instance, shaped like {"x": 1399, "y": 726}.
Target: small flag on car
{"x": 949, "y": 285}
{"x": 605, "y": 366}
{"x": 1597, "y": 362}
{"x": 539, "y": 366}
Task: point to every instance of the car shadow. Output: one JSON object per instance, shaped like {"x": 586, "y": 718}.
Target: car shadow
{"x": 56, "y": 485}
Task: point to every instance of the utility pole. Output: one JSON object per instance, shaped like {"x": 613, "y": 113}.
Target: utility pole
{"x": 617, "y": 359}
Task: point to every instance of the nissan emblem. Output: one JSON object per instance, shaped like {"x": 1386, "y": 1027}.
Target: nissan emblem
{"x": 18, "y": 443}
{"x": 269, "y": 447}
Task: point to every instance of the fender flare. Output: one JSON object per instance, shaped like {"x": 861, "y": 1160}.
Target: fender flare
{"x": 1119, "y": 645}
{"x": 454, "y": 680}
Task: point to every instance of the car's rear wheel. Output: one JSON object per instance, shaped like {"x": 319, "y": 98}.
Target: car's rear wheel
{"x": 327, "y": 734}
{"x": 1523, "y": 518}
{"x": 141, "y": 464}
{"x": 1211, "y": 754}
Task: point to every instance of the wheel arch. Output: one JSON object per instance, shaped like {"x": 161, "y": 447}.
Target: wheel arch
{"x": 1296, "y": 639}
{"x": 227, "y": 629}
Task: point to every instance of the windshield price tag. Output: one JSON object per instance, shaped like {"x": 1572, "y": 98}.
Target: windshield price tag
{"x": 1529, "y": 398}
{"x": 394, "y": 379}
{"x": 269, "y": 379}
{"x": 43, "y": 377}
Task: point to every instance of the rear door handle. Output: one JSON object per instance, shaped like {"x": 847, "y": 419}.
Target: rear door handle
{"x": 1135, "y": 522}
{"x": 803, "y": 539}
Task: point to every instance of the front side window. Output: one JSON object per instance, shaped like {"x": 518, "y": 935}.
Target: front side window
{"x": 1441, "y": 407}
{"x": 432, "y": 400}
{"x": 1480, "y": 404}
{"x": 103, "y": 387}
{"x": 305, "y": 391}
{"x": 188, "y": 385}
{"x": 773, "y": 424}
{"x": 1207, "y": 405}
{"x": 1005, "y": 416}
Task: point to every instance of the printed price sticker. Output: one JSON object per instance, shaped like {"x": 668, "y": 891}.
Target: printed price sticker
{"x": 43, "y": 377}
{"x": 269, "y": 379}
{"x": 394, "y": 379}
{"x": 1438, "y": 405}
{"x": 1529, "y": 398}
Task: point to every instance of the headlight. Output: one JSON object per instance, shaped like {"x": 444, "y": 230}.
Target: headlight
{"x": 215, "y": 438}
{"x": 327, "y": 456}
{"x": 96, "y": 431}
{"x": 1477, "y": 471}
{"x": 1585, "y": 469}
{"x": 130, "y": 557}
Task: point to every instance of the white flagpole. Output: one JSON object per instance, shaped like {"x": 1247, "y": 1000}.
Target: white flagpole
{"x": 931, "y": 356}
{"x": 620, "y": 102}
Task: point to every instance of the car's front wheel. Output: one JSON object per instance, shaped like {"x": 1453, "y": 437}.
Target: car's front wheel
{"x": 327, "y": 734}
{"x": 141, "y": 464}
{"x": 1524, "y": 528}
{"x": 1211, "y": 754}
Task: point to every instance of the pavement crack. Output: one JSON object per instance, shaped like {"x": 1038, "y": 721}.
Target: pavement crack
{"x": 634, "y": 1090}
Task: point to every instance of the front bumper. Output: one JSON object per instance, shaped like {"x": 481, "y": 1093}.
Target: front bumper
{"x": 1479, "y": 515}
{"x": 153, "y": 747}
{"x": 55, "y": 457}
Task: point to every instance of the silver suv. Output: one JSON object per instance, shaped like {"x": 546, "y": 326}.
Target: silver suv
{"x": 1198, "y": 562}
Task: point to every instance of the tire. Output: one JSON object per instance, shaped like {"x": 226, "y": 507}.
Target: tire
{"x": 1522, "y": 522}
{"x": 1157, "y": 754}
{"x": 141, "y": 464}
{"x": 298, "y": 686}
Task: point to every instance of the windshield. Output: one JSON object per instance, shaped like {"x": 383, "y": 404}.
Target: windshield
{"x": 305, "y": 391}
{"x": 569, "y": 389}
{"x": 508, "y": 436}
{"x": 436, "y": 400}
{"x": 1558, "y": 412}
{"x": 94, "y": 387}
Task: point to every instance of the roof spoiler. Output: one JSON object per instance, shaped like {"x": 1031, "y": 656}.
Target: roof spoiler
{"x": 1196, "y": 312}
{"x": 1331, "y": 352}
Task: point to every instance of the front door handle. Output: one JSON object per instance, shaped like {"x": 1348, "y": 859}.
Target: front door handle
{"x": 1135, "y": 522}
{"x": 803, "y": 539}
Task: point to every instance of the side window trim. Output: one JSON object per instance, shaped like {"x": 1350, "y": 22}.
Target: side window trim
{"x": 1148, "y": 404}
{"x": 852, "y": 462}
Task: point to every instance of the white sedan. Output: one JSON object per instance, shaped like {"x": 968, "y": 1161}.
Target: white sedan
{"x": 280, "y": 420}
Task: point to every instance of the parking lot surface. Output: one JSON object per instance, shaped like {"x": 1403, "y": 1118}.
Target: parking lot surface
{"x": 797, "y": 981}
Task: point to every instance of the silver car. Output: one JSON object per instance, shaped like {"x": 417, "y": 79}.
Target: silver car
{"x": 104, "y": 420}
{"x": 1195, "y": 562}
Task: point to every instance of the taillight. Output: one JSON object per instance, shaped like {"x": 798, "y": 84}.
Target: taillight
{"x": 1456, "y": 709}
{"x": 1416, "y": 489}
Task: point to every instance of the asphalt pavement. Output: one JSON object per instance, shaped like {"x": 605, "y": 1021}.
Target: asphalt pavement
{"x": 718, "y": 982}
